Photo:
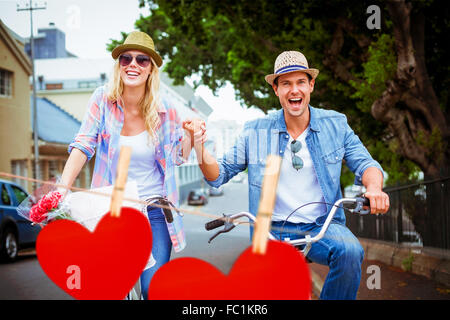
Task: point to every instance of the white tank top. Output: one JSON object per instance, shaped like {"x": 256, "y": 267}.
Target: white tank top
{"x": 143, "y": 168}
{"x": 296, "y": 188}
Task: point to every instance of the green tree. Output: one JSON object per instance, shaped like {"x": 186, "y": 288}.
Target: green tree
{"x": 391, "y": 83}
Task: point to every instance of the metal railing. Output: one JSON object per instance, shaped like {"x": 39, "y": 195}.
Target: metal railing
{"x": 419, "y": 215}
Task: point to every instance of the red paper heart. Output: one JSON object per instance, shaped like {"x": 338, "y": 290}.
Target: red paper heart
{"x": 104, "y": 264}
{"x": 280, "y": 274}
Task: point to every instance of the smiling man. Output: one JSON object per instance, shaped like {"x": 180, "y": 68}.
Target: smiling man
{"x": 313, "y": 143}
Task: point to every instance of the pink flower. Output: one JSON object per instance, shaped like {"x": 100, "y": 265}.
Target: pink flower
{"x": 37, "y": 215}
{"x": 39, "y": 211}
{"x": 53, "y": 199}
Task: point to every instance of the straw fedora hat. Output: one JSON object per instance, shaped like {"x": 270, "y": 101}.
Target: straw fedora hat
{"x": 141, "y": 41}
{"x": 290, "y": 61}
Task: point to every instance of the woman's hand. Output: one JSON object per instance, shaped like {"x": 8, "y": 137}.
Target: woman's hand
{"x": 195, "y": 130}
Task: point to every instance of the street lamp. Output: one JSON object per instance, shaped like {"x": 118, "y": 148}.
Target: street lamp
{"x": 29, "y": 7}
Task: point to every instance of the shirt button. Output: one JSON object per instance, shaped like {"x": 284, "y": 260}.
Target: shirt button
{"x": 281, "y": 151}
{"x": 287, "y": 136}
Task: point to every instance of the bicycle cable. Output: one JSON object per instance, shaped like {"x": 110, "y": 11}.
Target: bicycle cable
{"x": 304, "y": 205}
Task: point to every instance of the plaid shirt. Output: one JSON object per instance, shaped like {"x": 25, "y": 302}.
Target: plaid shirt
{"x": 100, "y": 131}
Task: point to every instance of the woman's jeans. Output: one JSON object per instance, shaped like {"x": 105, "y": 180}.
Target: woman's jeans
{"x": 339, "y": 249}
{"x": 161, "y": 248}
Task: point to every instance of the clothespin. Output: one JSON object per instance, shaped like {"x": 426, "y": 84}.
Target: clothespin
{"x": 266, "y": 204}
{"x": 121, "y": 180}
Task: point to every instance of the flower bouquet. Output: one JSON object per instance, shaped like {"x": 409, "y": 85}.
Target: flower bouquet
{"x": 51, "y": 206}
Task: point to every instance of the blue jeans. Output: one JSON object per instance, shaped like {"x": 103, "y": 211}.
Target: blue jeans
{"x": 161, "y": 249}
{"x": 339, "y": 249}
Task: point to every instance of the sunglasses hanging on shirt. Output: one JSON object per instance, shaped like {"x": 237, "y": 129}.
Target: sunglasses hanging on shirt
{"x": 297, "y": 162}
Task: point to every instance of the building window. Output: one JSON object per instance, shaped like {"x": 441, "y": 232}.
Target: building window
{"x": 5, "y": 83}
{"x": 19, "y": 168}
{"x": 88, "y": 84}
{"x": 53, "y": 86}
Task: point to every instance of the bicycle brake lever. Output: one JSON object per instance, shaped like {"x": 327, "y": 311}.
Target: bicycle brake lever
{"x": 359, "y": 207}
{"x": 227, "y": 227}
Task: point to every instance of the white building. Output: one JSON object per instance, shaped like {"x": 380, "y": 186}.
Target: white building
{"x": 224, "y": 134}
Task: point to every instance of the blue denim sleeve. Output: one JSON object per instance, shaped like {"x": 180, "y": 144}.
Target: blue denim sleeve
{"x": 233, "y": 162}
{"x": 357, "y": 157}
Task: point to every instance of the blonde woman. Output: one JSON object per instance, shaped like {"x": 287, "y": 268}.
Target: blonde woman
{"x": 128, "y": 112}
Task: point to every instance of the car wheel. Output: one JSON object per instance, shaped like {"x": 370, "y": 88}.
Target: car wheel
{"x": 10, "y": 246}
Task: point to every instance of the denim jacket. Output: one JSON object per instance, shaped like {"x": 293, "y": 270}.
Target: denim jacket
{"x": 330, "y": 140}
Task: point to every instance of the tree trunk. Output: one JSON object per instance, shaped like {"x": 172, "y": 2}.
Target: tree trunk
{"x": 409, "y": 105}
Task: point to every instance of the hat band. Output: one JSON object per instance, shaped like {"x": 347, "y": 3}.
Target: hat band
{"x": 290, "y": 68}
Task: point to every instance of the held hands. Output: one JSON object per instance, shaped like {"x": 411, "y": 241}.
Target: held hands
{"x": 195, "y": 136}
{"x": 195, "y": 130}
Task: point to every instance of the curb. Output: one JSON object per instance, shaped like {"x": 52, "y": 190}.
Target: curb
{"x": 429, "y": 262}
{"x": 432, "y": 263}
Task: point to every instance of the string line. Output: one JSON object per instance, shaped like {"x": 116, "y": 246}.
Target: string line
{"x": 142, "y": 202}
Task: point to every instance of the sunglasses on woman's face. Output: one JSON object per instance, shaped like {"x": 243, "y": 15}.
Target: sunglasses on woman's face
{"x": 141, "y": 59}
{"x": 297, "y": 162}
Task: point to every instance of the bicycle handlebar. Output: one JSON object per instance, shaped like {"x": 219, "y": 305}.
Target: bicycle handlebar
{"x": 227, "y": 220}
{"x": 366, "y": 201}
{"x": 214, "y": 224}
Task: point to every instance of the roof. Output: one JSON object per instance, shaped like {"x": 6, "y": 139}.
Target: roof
{"x": 188, "y": 93}
{"x": 11, "y": 42}
{"x": 54, "y": 124}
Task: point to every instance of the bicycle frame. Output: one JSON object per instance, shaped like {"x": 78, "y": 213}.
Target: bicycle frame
{"x": 227, "y": 221}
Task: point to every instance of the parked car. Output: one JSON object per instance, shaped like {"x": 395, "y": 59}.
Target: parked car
{"x": 16, "y": 232}
{"x": 412, "y": 239}
{"x": 197, "y": 197}
{"x": 216, "y": 191}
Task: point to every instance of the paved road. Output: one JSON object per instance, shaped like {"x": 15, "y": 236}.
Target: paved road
{"x": 25, "y": 279}
{"x": 224, "y": 249}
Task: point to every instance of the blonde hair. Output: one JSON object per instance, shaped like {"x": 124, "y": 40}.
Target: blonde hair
{"x": 150, "y": 101}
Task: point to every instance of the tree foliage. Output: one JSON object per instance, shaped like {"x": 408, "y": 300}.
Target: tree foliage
{"x": 238, "y": 41}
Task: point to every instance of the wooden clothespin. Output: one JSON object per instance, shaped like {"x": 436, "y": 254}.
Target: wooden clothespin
{"x": 266, "y": 204}
{"x": 121, "y": 180}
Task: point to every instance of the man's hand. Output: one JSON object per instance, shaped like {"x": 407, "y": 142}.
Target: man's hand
{"x": 372, "y": 179}
{"x": 379, "y": 201}
{"x": 195, "y": 130}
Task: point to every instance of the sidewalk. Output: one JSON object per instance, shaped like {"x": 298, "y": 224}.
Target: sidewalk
{"x": 395, "y": 284}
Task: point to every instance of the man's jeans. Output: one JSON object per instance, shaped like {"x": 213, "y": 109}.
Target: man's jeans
{"x": 161, "y": 247}
{"x": 339, "y": 249}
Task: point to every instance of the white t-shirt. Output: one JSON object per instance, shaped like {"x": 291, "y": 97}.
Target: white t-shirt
{"x": 297, "y": 188}
{"x": 142, "y": 166}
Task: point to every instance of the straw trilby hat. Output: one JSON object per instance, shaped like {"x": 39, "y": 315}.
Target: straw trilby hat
{"x": 141, "y": 41}
{"x": 290, "y": 61}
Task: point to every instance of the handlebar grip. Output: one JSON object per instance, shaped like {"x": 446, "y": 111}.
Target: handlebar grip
{"x": 214, "y": 224}
{"x": 366, "y": 201}
{"x": 360, "y": 203}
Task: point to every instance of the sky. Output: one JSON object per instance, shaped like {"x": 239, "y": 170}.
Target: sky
{"x": 90, "y": 24}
